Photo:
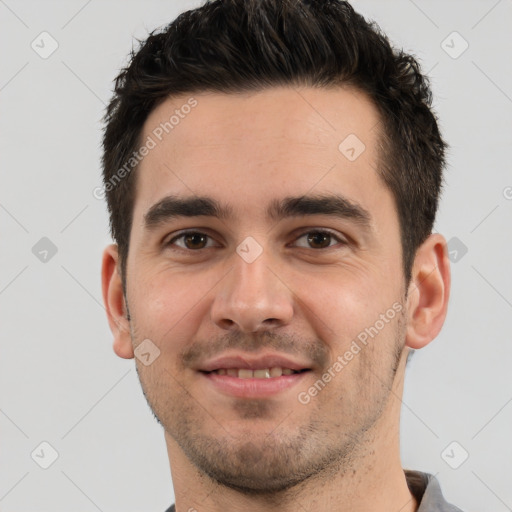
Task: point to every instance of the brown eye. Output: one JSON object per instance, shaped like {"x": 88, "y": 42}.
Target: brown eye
{"x": 195, "y": 240}
{"x": 319, "y": 239}
{"x": 191, "y": 240}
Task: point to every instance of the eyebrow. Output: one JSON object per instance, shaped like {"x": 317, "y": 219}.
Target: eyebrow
{"x": 172, "y": 207}
{"x": 327, "y": 204}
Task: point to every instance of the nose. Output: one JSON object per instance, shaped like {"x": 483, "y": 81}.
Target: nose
{"x": 252, "y": 297}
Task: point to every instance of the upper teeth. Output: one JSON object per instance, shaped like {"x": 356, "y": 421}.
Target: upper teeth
{"x": 244, "y": 373}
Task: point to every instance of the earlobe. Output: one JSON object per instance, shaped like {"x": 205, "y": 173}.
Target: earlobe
{"x": 113, "y": 298}
{"x": 429, "y": 292}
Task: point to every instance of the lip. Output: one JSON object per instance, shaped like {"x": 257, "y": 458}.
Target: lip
{"x": 253, "y": 362}
{"x": 252, "y": 388}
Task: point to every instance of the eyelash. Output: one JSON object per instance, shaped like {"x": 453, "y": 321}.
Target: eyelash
{"x": 311, "y": 231}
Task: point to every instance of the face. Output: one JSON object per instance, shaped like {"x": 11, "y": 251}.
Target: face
{"x": 259, "y": 245}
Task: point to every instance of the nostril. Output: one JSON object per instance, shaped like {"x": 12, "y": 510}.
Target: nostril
{"x": 226, "y": 323}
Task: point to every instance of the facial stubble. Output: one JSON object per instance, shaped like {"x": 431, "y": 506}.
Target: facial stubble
{"x": 276, "y": 459}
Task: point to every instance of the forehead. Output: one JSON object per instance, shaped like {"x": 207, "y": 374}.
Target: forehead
{"x": 258, "y": 144}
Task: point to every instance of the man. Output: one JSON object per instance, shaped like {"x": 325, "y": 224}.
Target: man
{"x": 272, "y": 171}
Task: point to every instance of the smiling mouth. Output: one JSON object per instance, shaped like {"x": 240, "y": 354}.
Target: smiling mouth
{"x": 264, "y": 373}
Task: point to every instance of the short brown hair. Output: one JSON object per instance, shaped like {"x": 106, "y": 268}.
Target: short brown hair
{"x": 248, "y": 45}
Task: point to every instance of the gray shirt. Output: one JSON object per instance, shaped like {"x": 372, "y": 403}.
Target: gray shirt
{"x": 425, "y": 488}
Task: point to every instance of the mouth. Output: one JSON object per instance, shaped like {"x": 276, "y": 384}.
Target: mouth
{"x": 247, "y": 376}
{"x": 264, "y": 373}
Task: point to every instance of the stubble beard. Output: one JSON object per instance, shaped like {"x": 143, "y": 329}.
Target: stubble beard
{"x": 278, "y": 460}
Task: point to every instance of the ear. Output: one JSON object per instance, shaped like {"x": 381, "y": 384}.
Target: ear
{"x": 113, "y": 297}
{"x": 429, "y": 291}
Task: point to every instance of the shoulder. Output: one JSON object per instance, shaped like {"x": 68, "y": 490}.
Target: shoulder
{"x": 426, "y": 489}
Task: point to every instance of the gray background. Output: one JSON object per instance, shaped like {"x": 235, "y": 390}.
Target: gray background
{"x": 60, "y": 381}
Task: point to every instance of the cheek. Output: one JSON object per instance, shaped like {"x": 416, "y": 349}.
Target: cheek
{"x": 169, "y": 304}
{"x": 342, "y": 302}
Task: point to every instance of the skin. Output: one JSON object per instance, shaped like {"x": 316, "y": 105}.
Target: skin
{"x": 309, "y": 300}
